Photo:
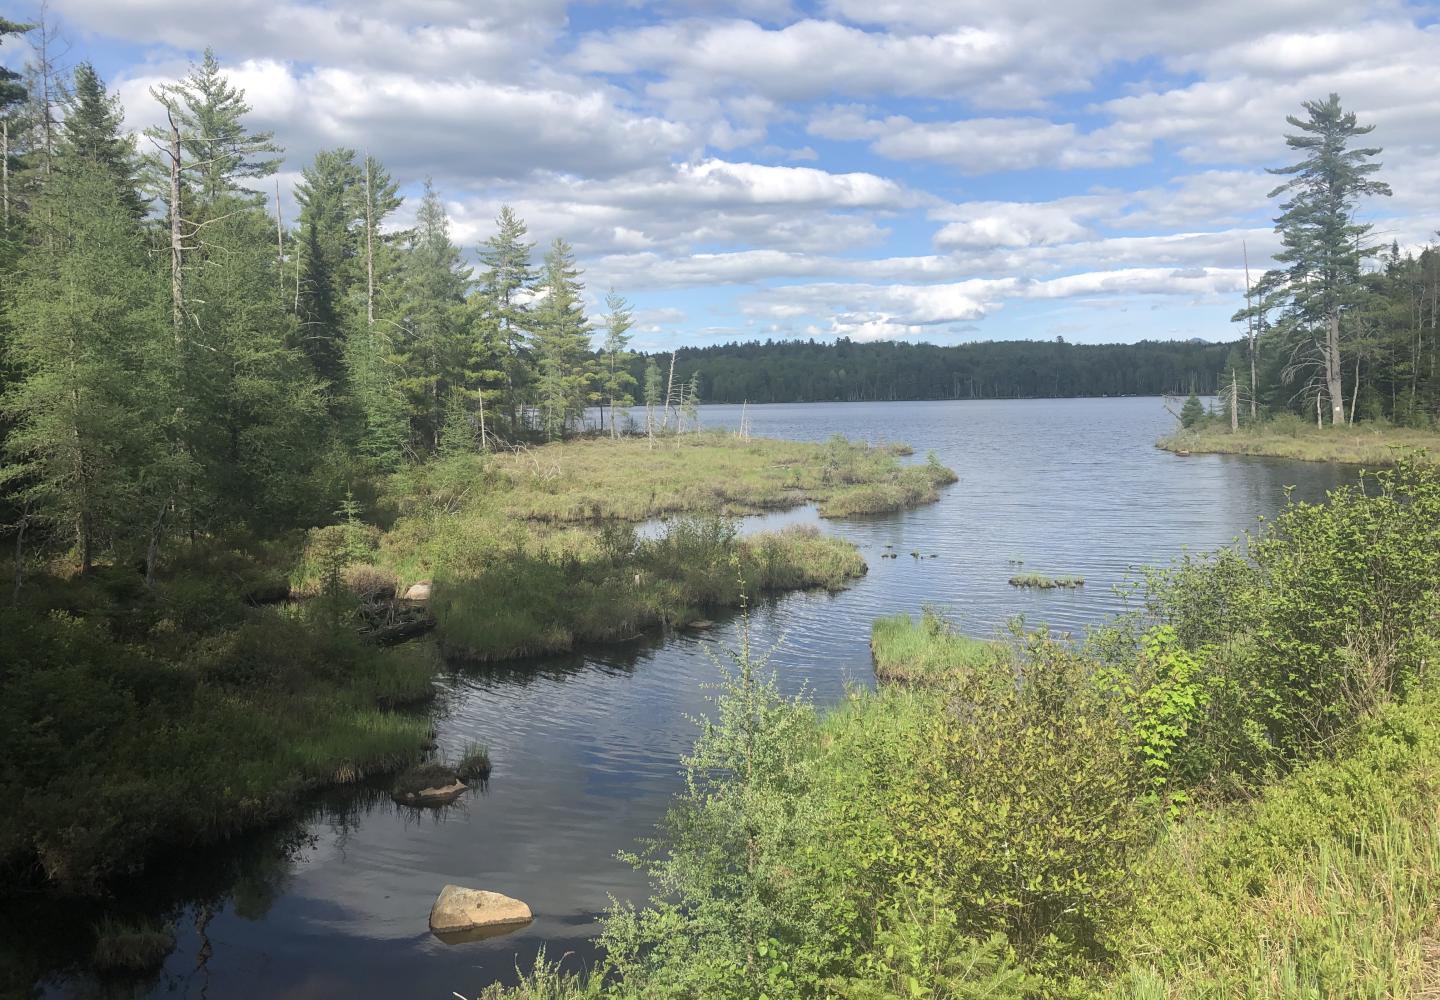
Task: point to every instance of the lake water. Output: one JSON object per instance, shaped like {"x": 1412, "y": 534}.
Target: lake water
{"x": 585, "y": 747}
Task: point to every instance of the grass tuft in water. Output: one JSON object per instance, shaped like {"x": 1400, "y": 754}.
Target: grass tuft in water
{"x": 474, "y": 762}
{"x": 1038, "y": 581}
{"x": 927, "y": 651}
{"x": 131, "y": 947}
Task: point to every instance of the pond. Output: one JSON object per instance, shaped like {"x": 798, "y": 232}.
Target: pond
{"x": 585, "y": 747}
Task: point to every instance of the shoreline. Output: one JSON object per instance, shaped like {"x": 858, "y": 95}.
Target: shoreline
{"x": 1347, "y": 446}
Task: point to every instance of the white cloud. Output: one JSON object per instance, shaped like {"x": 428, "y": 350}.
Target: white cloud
{"x": 982, "y": 145}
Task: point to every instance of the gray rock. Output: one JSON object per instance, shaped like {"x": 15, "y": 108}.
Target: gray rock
{"x": 418, "y": 591}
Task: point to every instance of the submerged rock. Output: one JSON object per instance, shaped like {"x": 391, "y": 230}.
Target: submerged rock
{"x": 461, "y": 914}
{"x": 428, "y": 785}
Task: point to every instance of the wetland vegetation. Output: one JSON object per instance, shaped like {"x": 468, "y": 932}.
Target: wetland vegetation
{"x": 1227, "y": 792}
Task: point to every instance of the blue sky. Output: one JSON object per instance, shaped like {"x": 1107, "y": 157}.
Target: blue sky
{"x": 949, "y": 170}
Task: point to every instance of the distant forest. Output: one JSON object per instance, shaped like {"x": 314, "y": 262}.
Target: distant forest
{"x": 802, "y": 371}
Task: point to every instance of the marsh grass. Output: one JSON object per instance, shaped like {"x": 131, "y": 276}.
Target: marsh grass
{"x": 928, "y": 651}
{"x": 1038, "y": 581}
{"x": 1368, "y": 444}
{"x": 550, "y": 593}
{"x": 593, "y": 479}
{"x": 133, "y": 948}
{"x": 473, "y": 763}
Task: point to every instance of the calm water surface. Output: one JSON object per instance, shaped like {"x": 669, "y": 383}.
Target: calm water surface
{"x": 585, "y": 747}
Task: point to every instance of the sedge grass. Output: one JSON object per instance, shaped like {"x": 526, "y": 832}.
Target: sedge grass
{"x": 1361, "y": 444}
{"x": 926, "y": 651}
{"x": 1038, "y": 581}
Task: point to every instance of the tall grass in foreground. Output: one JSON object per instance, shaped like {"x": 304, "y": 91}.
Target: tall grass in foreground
{"x": 1327, "y": 885}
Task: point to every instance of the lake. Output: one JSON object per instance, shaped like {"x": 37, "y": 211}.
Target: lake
{"x": 585, "y": 747}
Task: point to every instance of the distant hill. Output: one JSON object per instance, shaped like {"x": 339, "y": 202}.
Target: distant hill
{"x": 809, "y": 371}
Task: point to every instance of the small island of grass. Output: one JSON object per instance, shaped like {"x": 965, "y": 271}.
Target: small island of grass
{"x": 1037, "y": 581}
{"x": 928, "y": 650}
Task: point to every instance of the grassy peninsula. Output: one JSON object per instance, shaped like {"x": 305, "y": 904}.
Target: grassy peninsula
{"x": 1227, "y": 793}
{"x": 248, "y": 673}
{"x": 1371, "y": 443}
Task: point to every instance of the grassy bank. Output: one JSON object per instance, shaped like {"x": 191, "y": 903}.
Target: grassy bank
{"x": 1367, "y": 444}
{"x": 181, "y": 716}
{"x": 534, "y": 551}
{"x": 1230, "y": 793}
{"x": 634, "y": 479}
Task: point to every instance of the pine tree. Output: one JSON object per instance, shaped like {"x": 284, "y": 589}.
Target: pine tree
{"x": 13, "y": 95}
{"x": 255, "y": 422}
{"x": 505, "y": 285}
{"x": 224, "y": 152}
{"x": 331, "y": 233}
{"x": 371, "y": 362}
{"x": 616, "y": 379}
{"x": 1323, "y": 245}
{"x": 92, "y": 394}
{"x": 436, "y": 342}
{"x": 93, "y": 137}
{"x": 562, "y": 342}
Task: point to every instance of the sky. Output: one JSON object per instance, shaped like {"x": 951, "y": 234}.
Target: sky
{"x": 945, "y": 170}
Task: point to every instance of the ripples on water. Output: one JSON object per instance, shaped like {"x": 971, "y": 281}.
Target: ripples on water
{"x": 585, "y": 747}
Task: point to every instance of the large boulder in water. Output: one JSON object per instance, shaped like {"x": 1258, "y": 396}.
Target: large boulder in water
{"x": 476, "y": 912}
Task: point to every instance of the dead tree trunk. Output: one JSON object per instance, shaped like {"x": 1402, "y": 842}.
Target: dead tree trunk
{"x": 1251, "y": 332}
{"x": 177, "y": 241}
{"x": 279, "y": 243}
{"x": 20, "y": 527}
{"x": 1333, "y": 383}
{"x": 152, "y": 550}
{"x": 669, "y": 395}
{"x": 5, "y": 170}
{"x": 1234, "y": 402}
{"x": 369, "y": 253}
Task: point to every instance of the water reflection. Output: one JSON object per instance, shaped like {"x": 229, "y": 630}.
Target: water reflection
{"x": 585, "y": 746}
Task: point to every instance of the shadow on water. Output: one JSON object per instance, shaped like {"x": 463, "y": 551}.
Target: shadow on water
{"x": 585, "y": 746}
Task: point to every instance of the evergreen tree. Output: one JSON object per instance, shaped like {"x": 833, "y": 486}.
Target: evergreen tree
{"x": 1322, "y": 244}
{"x": 13, "y": 96}
{"x": 506, "y": 284}
{"x": 331, "y": 233}
{"x": 93, "y": 387}
{"x": 616, "y": 379}
{"x": 93, "y": 137}
{"x": 562, "y": 342}
{"x": 223, "y": 151}
{"x": 370, "y": 355}
{"x": 256, "y": 422}
{"x": 436, "y": 343}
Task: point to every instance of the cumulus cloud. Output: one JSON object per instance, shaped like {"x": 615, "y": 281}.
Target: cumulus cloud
{"x": 876, "y": 168}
